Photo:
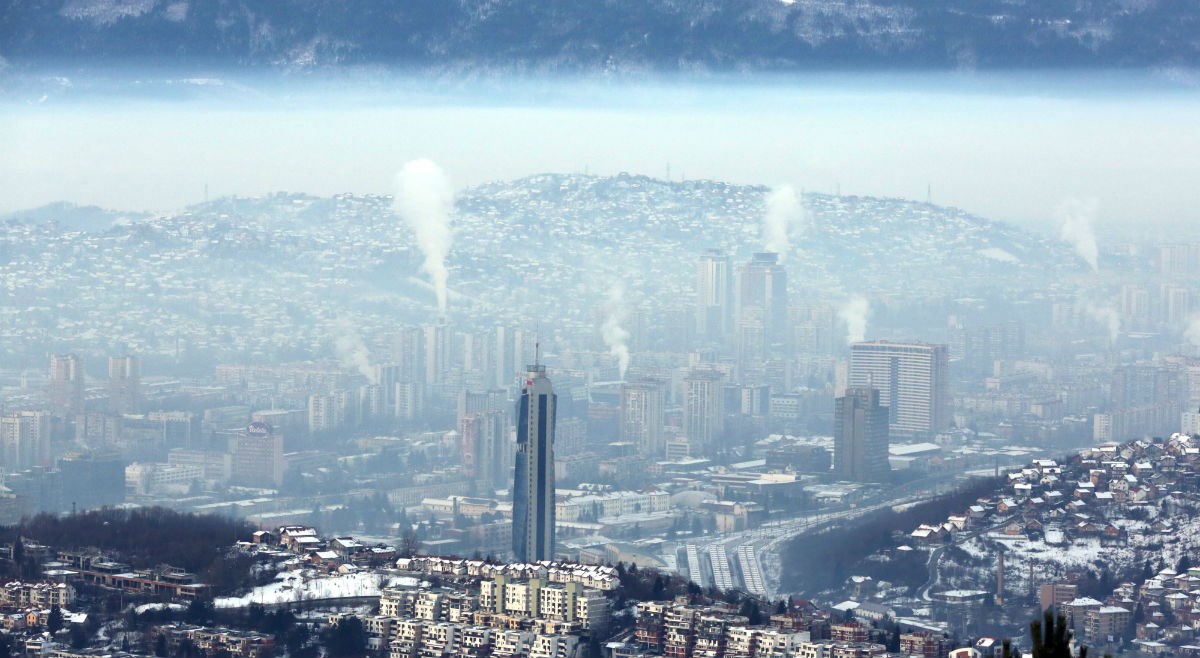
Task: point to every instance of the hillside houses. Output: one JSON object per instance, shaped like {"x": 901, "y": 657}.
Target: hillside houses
{"x": 1125, "y": 503}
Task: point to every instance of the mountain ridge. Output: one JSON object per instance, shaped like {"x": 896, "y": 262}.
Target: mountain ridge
{"x": 279, "y": 271}
{"x": 612, "y": 35}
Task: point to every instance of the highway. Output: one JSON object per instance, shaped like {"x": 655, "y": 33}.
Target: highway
{"x": 757, "y": 568}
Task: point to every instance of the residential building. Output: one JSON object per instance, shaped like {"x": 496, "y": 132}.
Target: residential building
{"x": 124, "y": 384}
{"x": 66, "y": 385}
{"x": 642, "y": 421}
{"x": 703, "y": 412}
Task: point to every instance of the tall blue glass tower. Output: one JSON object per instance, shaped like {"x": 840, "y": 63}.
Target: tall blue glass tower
{"x": 533, "y": 484}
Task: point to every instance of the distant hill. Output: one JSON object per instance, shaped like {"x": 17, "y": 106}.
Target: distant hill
{"x": 551, "y": 246}
{"x": 606, "y": 35}
{"x": 71, "y": 216}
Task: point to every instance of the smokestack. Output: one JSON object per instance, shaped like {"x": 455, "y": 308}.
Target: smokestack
{"x": 1000, "y": 579}
{"x": 424, "y": 199}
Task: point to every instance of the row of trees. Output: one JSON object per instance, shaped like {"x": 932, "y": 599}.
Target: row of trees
{"x": 840, "y": 550}
{"x": 145, "y": 537}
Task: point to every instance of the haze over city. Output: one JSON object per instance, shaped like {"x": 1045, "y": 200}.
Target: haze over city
{"x": 1010, "y": 147}
{"x": 635, "y": 329}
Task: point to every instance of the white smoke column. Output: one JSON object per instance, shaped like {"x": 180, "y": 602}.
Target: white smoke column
{"x": 1076, "y": 218}
{"x": 783, "y": 213}
{"x": 1106, "y": 315}
{"x": 615, "y": 336}
{"x": 1192, "y": 333}
{"x": 424, "y": 200}
{"x": 352, "y": 352}
{"x": 855, "y": 314}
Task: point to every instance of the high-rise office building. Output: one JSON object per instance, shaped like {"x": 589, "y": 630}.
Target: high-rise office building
{"x": 66, "y": 385}
{"x": 714, "y": 296}
{"x": 913, "y": 381}
{"x": 763, "y": 292}
{"x": 703, "y": 412}
{"x": 533, "y": 482}
{"x": 124, "y": 384}
{"x": 641, "y": 421}
{"x": 860, "y": 434}
{"x": 258, "y": 457}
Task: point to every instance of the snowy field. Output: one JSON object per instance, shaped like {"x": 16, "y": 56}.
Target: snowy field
{"x": 306, "y": 585}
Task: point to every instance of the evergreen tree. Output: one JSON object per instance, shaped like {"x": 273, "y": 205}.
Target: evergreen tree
{"x": 79, "y": 636}
{"x": 346, "y": 639}
{"x": 893, "y": 643}
{"x": 750, "y": 611}
{"x": 659, "y": 588}
{"x": 54, "y": 622}
{"x": 1051, "y": 637}
{"x": 199, "y": 611}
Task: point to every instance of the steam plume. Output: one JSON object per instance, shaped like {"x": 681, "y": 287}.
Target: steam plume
{"x": 855, "y": 314}
{"x": 1106, "y": 315}
{"x": 424, "y": 200}
{"x": 783, "y": 213}
{"x": 1192, "y": 333}
{"x": 1076, "y": 218}
{"x": 351, "y": 351}
{"x": 615, "y": 336}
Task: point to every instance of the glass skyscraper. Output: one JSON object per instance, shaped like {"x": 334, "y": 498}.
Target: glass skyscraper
{"x": 533, "y": 482}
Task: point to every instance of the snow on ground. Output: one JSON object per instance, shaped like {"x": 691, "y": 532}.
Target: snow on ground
{"x": 1025, "y": 558}
{"x": 296, "y": 586}
{"x": 974, "y": 549}
{"x": 996, "y": 253}
{"x": 147, "y": 607}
